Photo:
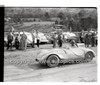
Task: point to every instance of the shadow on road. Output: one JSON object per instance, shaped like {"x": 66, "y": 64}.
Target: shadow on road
{"x": 37, "y": 66}
{"x": 40, "y": 66}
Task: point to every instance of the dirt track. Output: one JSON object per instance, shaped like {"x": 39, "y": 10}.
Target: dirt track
{"x": 20, "y": 66}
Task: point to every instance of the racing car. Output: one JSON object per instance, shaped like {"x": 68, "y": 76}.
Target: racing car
{"x": 53, "y": 57}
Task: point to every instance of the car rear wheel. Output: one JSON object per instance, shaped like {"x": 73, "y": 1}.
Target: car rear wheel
{"x": 52, "y": 61}
{"x": 88, "y": 56}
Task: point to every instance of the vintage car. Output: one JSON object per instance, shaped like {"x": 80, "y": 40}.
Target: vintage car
{"x": 53, "y": 57}
{"x": 42, "y": 37}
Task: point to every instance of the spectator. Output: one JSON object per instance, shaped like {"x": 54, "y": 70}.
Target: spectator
{"x": 38, "y": 39}
{"x": 33, "y": 38}
{"x": 55, "y": 40}
{"x": 60, "y": 40}
{"x": 23, "y": 42}
{"x": 96, "y": 42}
{"x": 86, "y": 40}
{"x": 10, "y": 38}
{"x": 82, "y": 37}
{"x": 93, "y": 39}
{"x": 17, "y": 41}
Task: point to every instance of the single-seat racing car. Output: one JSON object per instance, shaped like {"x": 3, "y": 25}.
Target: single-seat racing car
{"x": 53, "y": 57}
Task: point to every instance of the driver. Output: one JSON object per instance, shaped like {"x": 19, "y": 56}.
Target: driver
{"x": 73, "y": 43}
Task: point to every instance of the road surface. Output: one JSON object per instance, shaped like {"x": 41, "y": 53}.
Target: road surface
{"x": 20, "y": 66}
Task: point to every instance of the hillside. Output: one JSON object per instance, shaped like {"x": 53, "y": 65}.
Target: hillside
{"x": 41, "y": 18}
{"x": 28, "y": 26}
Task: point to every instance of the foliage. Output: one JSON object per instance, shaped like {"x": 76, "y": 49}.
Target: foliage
{"x": 75, "y": 18}
{"x": 47, "y": 17}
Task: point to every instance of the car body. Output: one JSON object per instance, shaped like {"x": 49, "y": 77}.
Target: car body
{"x": 64, "y": 55}
{"x": 43, "y": 38}
{"x": 68, "y": 35}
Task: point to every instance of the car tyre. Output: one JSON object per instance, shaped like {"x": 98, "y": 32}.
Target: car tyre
{"x": 88, "y": 56}
{"x": 52, "y": 61}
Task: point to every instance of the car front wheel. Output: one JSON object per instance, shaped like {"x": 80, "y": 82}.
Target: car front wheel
{"x": 52, "y": 61}
{"x": 88, "y": 56}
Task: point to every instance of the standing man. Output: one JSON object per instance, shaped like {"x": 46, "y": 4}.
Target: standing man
{"x": 60, "y": 40}
{"x": 17, "y": 41}
{"x": 10, "y": 38}
{"x": 86, "y": 40}
{"x": 38, "y": 39}
{"x": 82, "y": 36}
{"x": 33, "y": 38}
{"x": 55, "y": 40}
{"x": 23, "y": 41}
{"x": 93, "y": 39}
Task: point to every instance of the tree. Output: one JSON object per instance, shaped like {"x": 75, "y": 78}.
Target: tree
{"x": 56, "y": 22}
{"x": 83, "y": 14}
{"x": 47, "y": 17}
{"x": 61, "y": 16}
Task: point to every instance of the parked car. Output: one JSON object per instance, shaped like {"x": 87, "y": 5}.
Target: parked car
{"x": 43, "y": 38}
{"x": 53, "y": 57}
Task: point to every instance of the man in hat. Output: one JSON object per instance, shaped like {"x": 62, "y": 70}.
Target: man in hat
{"x": 10, "y": 38}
